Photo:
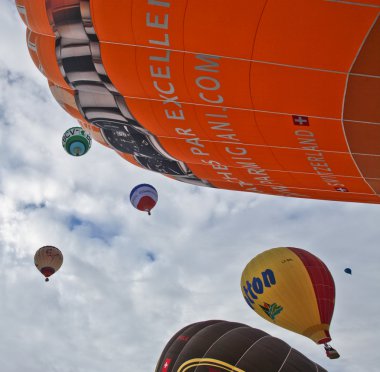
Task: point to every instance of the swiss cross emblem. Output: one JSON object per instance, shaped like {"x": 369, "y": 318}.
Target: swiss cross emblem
{"x": 341, "y": 189}
{"x": 165, "y": 367}
{"x": 300, "y": 120}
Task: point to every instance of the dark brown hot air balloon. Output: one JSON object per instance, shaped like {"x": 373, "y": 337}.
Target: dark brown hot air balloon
{"x": 48, "y": 260}
{"x": 218, "y": 346}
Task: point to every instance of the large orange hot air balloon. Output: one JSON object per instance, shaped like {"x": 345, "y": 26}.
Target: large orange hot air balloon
{"x": 267, "y": 96}
{"x": 294, "y": 289}
{"x": 48, "y": 260}
{"x": 218, "y": 345}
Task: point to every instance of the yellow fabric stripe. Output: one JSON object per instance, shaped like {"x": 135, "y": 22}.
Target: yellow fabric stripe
{"x": 316, "y": 332}
{"x": 208, "y": 362}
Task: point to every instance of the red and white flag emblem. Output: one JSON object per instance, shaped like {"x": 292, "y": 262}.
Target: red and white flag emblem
{"x": 300, "y": 120}
{"x": 165, "y": 367}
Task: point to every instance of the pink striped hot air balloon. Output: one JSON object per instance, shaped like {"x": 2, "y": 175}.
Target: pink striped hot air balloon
{"x": 144, "y": 197}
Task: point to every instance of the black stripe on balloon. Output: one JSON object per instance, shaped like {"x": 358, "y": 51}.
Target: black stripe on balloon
{"x": 80, "y": 62}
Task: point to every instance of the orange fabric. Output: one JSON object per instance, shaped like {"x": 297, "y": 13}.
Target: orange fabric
{"x": 266, "y": 96}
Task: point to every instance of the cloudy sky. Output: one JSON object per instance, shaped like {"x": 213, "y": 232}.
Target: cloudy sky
{"x": 130, "y": 281}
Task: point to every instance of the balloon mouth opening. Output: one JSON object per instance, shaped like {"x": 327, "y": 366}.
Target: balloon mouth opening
{"x": 46, "y": 272}
{"x": 77, "y": 149}
{"x": 324, "y": 340}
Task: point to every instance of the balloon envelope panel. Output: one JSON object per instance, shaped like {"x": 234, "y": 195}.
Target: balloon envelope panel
{"x": 277, "y": 97}
{"x": 218, "y": 345}
{"x": 292, "y": 288}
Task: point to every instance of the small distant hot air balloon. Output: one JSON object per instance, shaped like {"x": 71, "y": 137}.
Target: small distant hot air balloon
{"x": 144, "y": 197}
{"x": 218, "y": 345}
{"x": 347, "y": 270}
{"x": 48, "y": 260}
{"x": 294, "y": 289}
{"x": 76, "y": 141}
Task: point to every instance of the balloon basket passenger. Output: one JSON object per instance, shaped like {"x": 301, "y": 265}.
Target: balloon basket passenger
{"x": 331, "y": 352}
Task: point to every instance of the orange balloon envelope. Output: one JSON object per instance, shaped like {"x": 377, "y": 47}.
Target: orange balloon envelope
{"x": 275, "y": 97}
{"x": 292, "y": 288}
{"x": 48, "y": 260}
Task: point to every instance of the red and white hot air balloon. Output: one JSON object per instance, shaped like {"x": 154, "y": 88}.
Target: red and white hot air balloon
{"x": 144, "y": 197}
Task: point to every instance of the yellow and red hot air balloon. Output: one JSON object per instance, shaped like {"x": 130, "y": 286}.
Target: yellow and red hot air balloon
{"x": 293, "y": 289}
{"x": 268, "y": 96}
{"x": 48, "y": 260}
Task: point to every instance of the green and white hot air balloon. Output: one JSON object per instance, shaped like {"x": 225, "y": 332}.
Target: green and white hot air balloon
{"x": 76, "y": 141}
